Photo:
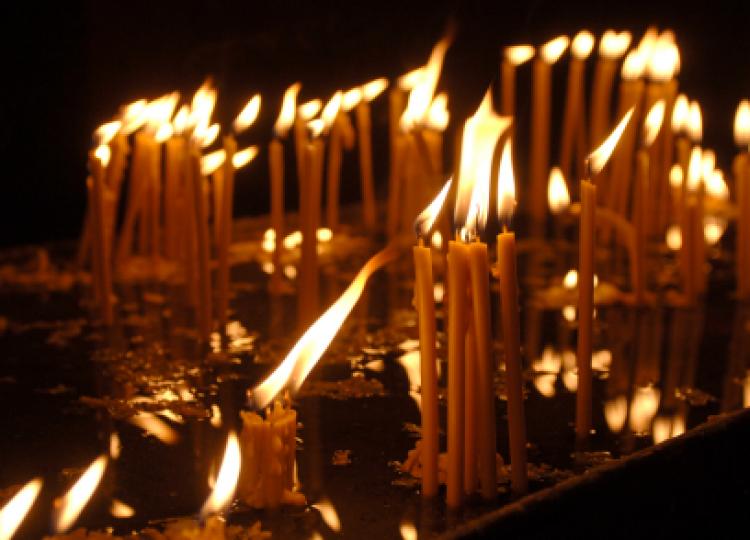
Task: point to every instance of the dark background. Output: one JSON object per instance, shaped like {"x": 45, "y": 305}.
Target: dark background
{"x": 71, "y": 64}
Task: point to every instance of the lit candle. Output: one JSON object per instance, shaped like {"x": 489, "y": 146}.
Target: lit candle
{"x": 741, "y": 168}
{"x": 691, "y": 227}
{"x": 305, "y": 112}
{"x": 513, "y": 57}
{"x": 679, "y": 126}
{"x": 611, "y": 47}
{"x": 574, "y": 114}
{"x": 364, "y": 130}
{"x": 98, "y": 160}
{"x": 197, "y": 170}
{"x": 341, "y": 130}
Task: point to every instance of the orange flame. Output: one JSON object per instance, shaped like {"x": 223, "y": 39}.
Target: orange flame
{"x": 582, "y": 44}
{"x": 695, "y": 169}
{"x": 308, "y": 110}
{"x": 211, "y": 162}
{"x": 695, "y": 122}
{"x": 676, "y": 176}
{"x": 716, "y": 186}
{"x": 673, "y": 237}
{"x": 708, "y": 162}
{"x": 599, "y": 157}
{"x": 133, "y": 116}
{"x": 307, "y": 351}
{"x": 160, "y": 110}
{"x": 205, "y": 135}
{"x": 506, "y": 185}
{"x": 374, "y": 88}
{"x": 519, "y": 54}
{"x": 164, "y": 132}
{"x": 742, "y": 124}
{"x": 634, "y": 65}
{"x": 121, "y": 510}
{"x": 558, "y": 196}
{"x": 202, "y": 105}
{"x": 615, "y": 413}
{"x": 329, "y": 112}
{"x": 426, "y": 219}
{"x": 15, "y": 510}
{"x": 226, "y": 481}
{"x": 664, "y": 62}
{"x": 408, "y": 80}
{"x": 181, "y": 120}
{"x": 70, "y": 506}
{"x": 351, "y": 98}
{"x": 680, "y": 113}
{"x": 106, "y": 132}
{"x": 438, "y": 116}
{"x": 103, "y": 153}
{"x": 423, "y": 91}
{"x": 244, "y": 156}
{"x": 643, "y": 408}
{"x": 316, "y": 127}
{"x": 614, "y": 44}
{"x": 666, "y": 427}
{"x": 553, "y": 49}
{"x": 286, "y": 114}
{"x": 248, "y": 114}
{"x": 652, "y": 123}
{"x": 648, "y": 41}
{"x": 329, "y": 514}
{"x": 152, "y": 425}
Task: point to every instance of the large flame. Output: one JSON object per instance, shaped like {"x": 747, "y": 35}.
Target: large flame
{"x": 426, "y": 219}
{"x": 421, "y": 94}
{"x": 742, "y": 124}
{"x": 506, "y": 185}
{"x": 407, "y": 81}
{"x": 519, "y": 54}
{"x": 664, "y": 61}
{"x": 582, "y": 44}
{"x": 248, "y": 114}
{"x": 648, "y": 41}
{"x": 244, "y": 156}
{"x": 634, "y": 65}
{"x": 652, "y": 123}
{"x": 211, "y": 162}
{"x": 226, "y": 480}
{"x": 438, "y": 116}
{"x": 695, "y": 122}
{"x": 309, "y": 109}
{"x": 680, "y": 113}
{"x": 553, "y": 49}
{"x": 599, "y": 157}
{"x": 480, "y": 137}
{"x": 307, "y": 351}
{"x": 70, "y": 506}
{"x": 15, "y": 510}
{"x": 374, "y": 88}
{"x": 614, "y": 44}
{"x": 288, "y": 108}
{"x": 558, "y": 196}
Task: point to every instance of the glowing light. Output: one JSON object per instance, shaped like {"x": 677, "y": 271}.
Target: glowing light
{"x": 115, "y": 446}
{"x": 615, "y": 413}
{"x": 695, "y": 169}
{"x": 324, "y": 235}
{"x": 70, "y": 506}
{"x": 676, "y": 176}
{"x": 329, "y": 112}
{"x": 202, "y": 106}
{"x": 216, "y": 420}
{"x": 643, "y": 408}
{"x": 351, "y": 98}
{"x": 268, "y": 267}
{"x": 742, "y": 124}
{"x": 226, "y": 481}
{"x": 666, "y": 427}
{"x": 292, "y": 240}
{"x": 553, "y": 49}
{"x": 558, "y": 196}
{"x": 407, "y": 530}
{"x": 614, "y": 44}
{"x": 664, "y": 62}
{"x": 164, "y": 132}
{"x": 545, "y": 384}
{"x": 426, "y": 219}
{"x": 244, "y": 156}
{"x": 15, "y": 510}
{"x": 582, "y": 44}
{"x": 103, "y": 154}
{"x": 438, "y": 115}
{"x": 674, "y": 237}
{"x": 205, "y": 135}
{"x": 407, "y": 81}
{"x": 633, "y": 65}
{"x": 713, "y": 229}
{"x": 708, "y": 162}
{"x": 160, "y": 110}
{"x": 599, "y": 157}
{"x": 133, "y": 116}
{"x": 152, "y": 425}
{"x": 423, "y": 90}
{"x": 437, "y": 240}
{"x": 307, "y": 111}
{"x": 211, "y": 162}
{"x": 648, "y": 42}
{"x": 181, "y": 120}
{"x": 290, "y": 271}
{"x": 716, "y": 186}
{"x": 121, "y": 510}
{"x": 329, "y": 514}
{"x": 695, "y": 122}
{"x": 652, "y": 122}
{"x": 374, "y": 88}
{"x": 248, "y": 114}
{"x": 570, "y": 281}
{"x": 288, "y": 108}
{"x": 569, "y": 313}
{"x": 106, "y": 132}
{"x": 438, "y": 292}
{"x": 519, "y": 54}
{"x": 680, "y": 113}
{"x": 316, "y": 127}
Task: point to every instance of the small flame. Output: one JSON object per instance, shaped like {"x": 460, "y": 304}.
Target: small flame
{"x": 680, "y": 113}
{"x": 553, "y": 49}
{"x": 160, "y": 110}
{"x": 426, "y": 219}
{"x": 152, "y": 425}
{"x": 307, "y": 351}
{"x": 570, "y": 281}
{"x": 558, "y": 196}
{"x": 286, "y": 114}
{"x": 713, "y": 229}
{"x": 204, "y": 101}
{"x": 70, "y": 506}
{"x": 316, "y": 127}
{"x": 695, "y": 169}
{"x": 519, "y": 54}
{"x": 103, "y": 153}
{"x": 599, "y": 157}
{"x": 408, "y": 530}
{"x": 328, "y": 115}
{"x": 133, "y": 116}
{"x": 668, "y": 427}
{"x": 121, "y": 510}
{"x": 695, "y": 122}
{"x": 742, "y": 124}
{"x": 437, "y": 241}
{"x": 634, "y": 65}
{"x": 115, "y": 446}
{"x": 15, "y": 510}
{"x": 204, "y": 135}
{"x": 643, "y": 408}
{"x": 423, "y": 91}
{"x": 226, "y": 481}
{"x": 652, "y": 122}
{"x": 615, "y": 413}
{"x": 582, "y": 44}
{"x": 708, "y": 163}
{"x": 351, "y": 98}
{"x": 438, "y": 115}
{"x": 164, "y": 132}
{"x": 216, "y": 420}
{"x": 374, "y": 88}
{"x": 676, "y": 176}
{"x": 506, "y": 185}
{"x": 244, "y": 156}
{"x": 409, "y": 80}
{"x": 248, "y": 114}
{"x": 664, "y": 62}
{"x": 106, "y": 132}
{"x": 211, "y": 162}
{"x": 308, "y": 110}
{"x": 674, "y": 237}
{"x": 329, "y": 514}
{"x": 614, "y": 44}
{"x": 181, "y": 120}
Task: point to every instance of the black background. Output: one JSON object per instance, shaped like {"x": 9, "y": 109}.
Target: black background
{"x": 71, "y": 64}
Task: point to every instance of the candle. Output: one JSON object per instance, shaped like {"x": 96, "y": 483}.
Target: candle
{"x": 471, "y": 383}
{"x": 364, "y": 131}
{"x": 741, "y": 167}
{"x": 341, "y": 135}
{"x": 573, "y": 116}
{"x": 205, "y": 296}
{"x": 611, "y": 47}
{"x": 173, "y": 172}
{"x": 513, "y": 57}
{"x": 549, "y": 53}
{"x": 225, "y": 238}
{"x": 506, "y": 260}
{"x": 679, "y": 123}
{"x": 98, "y": 160}
{"x": 305, "y": 113}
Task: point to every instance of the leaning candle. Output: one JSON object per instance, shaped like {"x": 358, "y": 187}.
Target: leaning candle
{"x": 574, "y": 114}
{"x": 513, "y": 56}
{"x": 549, "y": 53}
{"x": 506, "y": 260}
{"x": 741, "y": 168}
{"x": 364, "y": 131}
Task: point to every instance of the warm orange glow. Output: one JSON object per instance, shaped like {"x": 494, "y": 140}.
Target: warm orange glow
{"x": 152, "y": 425}
{"x": 408, "y": 530}
{"x": 181, "y": 120}
{"x": 674, "y": 237}
{"x": 558, "y": 196}
{"x": 106, "y": 132}
{"x": 648, "y": 41}
{"x": 676, "y": 176}
{"x": 713, "y": 229}
{"x": 437, "y": 242}
{"x": 519, "y": 54}
{"x": 121, "y": 510}
{"x": 226, "y": 480}
{"x": 695, "y": 122}
{"x": 708, "y": 163}
{"x": 248, "y": 114}
{"x": 204, "y": 101}
{"x": 70, "y": 506}
{"x": 288, "y": 108}
{"x": 15, "y": 510}
{"x": 742, "y": 124}
{"x": 244, "y": 156}
{"x": 599, "y": 157}
{"x": 643, "y": 408}
{"x": 652, "y": 122}
{"x": 133, "y": 116}
{"x": 438, "y": 115}
{"x": 323, "y": 235}
{"x": 680, "y": 113}
{"x": 211, "y": 162}
{"x": 553, "y": 49}
{"x": 614, "y": 44}
{"x": 407, "y": 81}
{"x": 666, "y": 427}
{"x": 615, "y": 413}
{"x": 426, "y": 219}
{"x": 695, "y": 169}
{"x": 329, "y": 514}
{"x": 305, "y": 354}
{"x": 115, "y": 446}
{"x": 582, "y": 44}
{"x": 328, "y": 115}
{"x": 205, "y": 135}
{"x": 351, "y": 98}
{"x": 374, "y": 88}
{"x": 316, "y": 127}
{"x": 506, "y": 185}
{"x": 423, "y": 91}
{"x": 308, "y": 110}
{"x": 164, "y": 132}
{"x": 633, "y": 65}
{"x": 570, "y": 281}
{"x": 160, "y": 110}
{"x": 664, "y": 61}
{"x": 103, "y": 153}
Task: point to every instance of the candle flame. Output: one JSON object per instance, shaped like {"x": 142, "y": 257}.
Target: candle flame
{"x": 426, "y": 219}
{"x": 676, "y": 176}
{"x": 152, "y": 425}
{"x": 708, "y": 163}
{"x": 121, "y": 510}
{"x": 713, "y": 229}
{"x": 695, "y": 169}
{"x": 634, "y": 65}
{"x": 648, "y": 41}
{"x": 674, "y": 237}
{"x": 310, "y": 348}
{"x": 615, "y": 413}
{"x": 558, "y": 196}
{"x": 695, "y": 122}
{"x": 664, "y": 61}
{"x": 286, "y": 114}
{"x": 133, "y": 116}
{"x": 680, "y": 113}
{"x": 103, "y": 153}
{"x": 668, "y": 427}
{"x": 374, "y": 88}
{"x": 423, "y": 90}
{"x": 226, "y": 480}
{"x": 519, "y": 54}
{"x": 15, "y": 510}
{"x": 742, "y": 124}
{"x": 244, "y": 156}
{"x": 408, "y": 80}
{"x": 643, "y": 408}
{"x": 599, "y": 157}
{"x": 553, "y": 49}
{"x": 211, "y": 162}
{"x": 308, "y": 110}
{"x": 316, "y": 127}
{"x": 106, "y": 132}
{"x": 248, "y": 114}
{"x": 160, "y": 110}
{"x": 205, "y": 135}
{"x": 164, "y": 132}
{"x": 583, "y": 43}
{"x": 329, "y": 514}
{"x": 202, "y": 106}
{"x": 506, "y": 185}
{"x": 328, "y": 115}
{"x": 614, "y": 44}
{"x": 408, "y": 530}
{"x": 570, "y": 281}
{"x": 70, "y": 506}
{"x": 652, "y": 123}
{"x": 438, "y": 115}
{"x": 351, "y": 98}
{"x": 716, "y": 186}
{"x": 181, "y": 120}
